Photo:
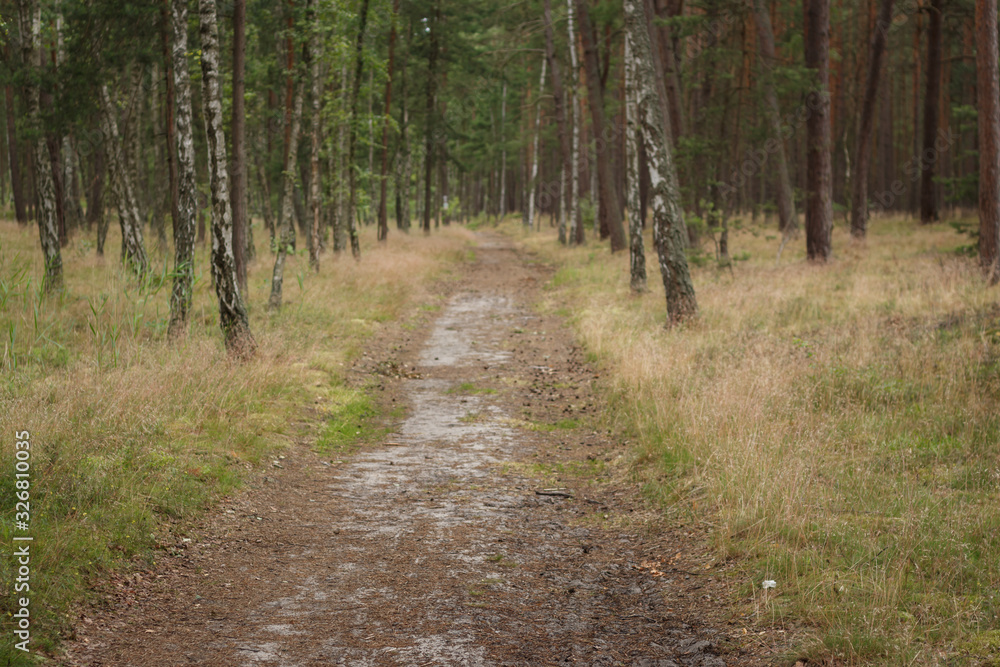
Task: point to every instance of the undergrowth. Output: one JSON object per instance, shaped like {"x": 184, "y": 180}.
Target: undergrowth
{"x": 132, "y": 436}
{"x": 837, "y": 428}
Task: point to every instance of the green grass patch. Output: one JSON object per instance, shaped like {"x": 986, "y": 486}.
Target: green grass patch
{"x": 353, "y": 421}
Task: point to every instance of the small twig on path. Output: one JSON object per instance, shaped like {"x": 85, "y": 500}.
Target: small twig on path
{"x": 559, "y": 493}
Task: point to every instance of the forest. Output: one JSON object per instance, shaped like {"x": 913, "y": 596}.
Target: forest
{"x": 214, "y": 213}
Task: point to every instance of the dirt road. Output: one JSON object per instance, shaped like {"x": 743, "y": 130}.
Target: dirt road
{"x": 483, "y": 531}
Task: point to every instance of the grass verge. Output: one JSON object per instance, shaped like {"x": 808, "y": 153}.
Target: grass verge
{"x": 131, "y": 435}
{"x": 836, "y": 427}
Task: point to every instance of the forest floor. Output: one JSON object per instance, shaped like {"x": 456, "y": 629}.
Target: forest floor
{"x": 492, "y": 524}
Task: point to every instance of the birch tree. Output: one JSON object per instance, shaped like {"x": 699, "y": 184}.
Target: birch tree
{"x": 352, "y": 225}
{"x": 637, "y": 255}
{"x": 286, "y": 209}
{"x": 383, "y": 205}
{"x": 503, "y": 153}
{"x": 30, "y": 17}
{"x": 529, "y": 221}
{"x": 403, "y": 160}
{"x": 232, "y": 313}
{"x": 668, "y": 217}
{"x": 242, "y": 248}
{"x": 575, "y": 228}
{"x": 315, "y": 138}
{"x": 129, "y": 218}
{"x": 184, "y": 220}
{"x": 429, "y": 118}
{"x": 559, "y": 100}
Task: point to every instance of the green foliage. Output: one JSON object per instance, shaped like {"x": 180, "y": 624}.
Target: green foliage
{"x": 969, "y": 228}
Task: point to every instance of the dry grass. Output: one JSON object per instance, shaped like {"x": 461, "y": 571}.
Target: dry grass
{"x": 130, "y": 433}
{"x": 836, "y": 425}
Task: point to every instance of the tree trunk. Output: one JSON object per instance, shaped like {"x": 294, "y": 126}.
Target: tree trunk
{"x": 862, "y": 149}
{"x": 576, "y": 233}
{"x": 559, "y": 101}
{"x": 286, "y": 210}
{"x": 239, "y": 164}
{"x": 4, "y": 164}
{"x": 637, "y": 254}
{"x": 314, "y": 177}
{"x": 668, "y": 217}
{"x": 886, "y": 139}
{"x": 95, "y": 197}
{"x": 928, "y": 158}
{"x": 442, "y": 148}
{"x": 610, "y": 208}
{"x": 166, "y": 14}
{"x": 432, "y": 58}
{"x": 187, "y": 195}
{"x": 370, "y": 209}
{"x": 160, "y": 187}
{"x": 264, "y": 188}
{"x": 17, "y": 190}
{"x": 671, "y": 76}
{"x": 352, "y": 225}
{"x": 533, "y": 177}
{"x": 232, "y": 313}
{"x": 131, "y": 143}
{"x": 72, "y": 211}
{"x": 383, "y": 205}
{"x": 502, "y": 209}
{"x": 133, "y": 250}
{"x": 403, "y": 161}
{"x": 340, "y": 227}
{"x": 787, "y": 221}
{"x": 819, "y": 200}
{"x": 30, "y": 16}
{"x": 55, "y": 163}
{"x": 915, "y": 51}
{"x": 988, "y": 93}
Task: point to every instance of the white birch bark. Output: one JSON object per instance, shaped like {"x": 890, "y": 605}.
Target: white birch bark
{"x": 371, "y": 147}
{"x": 503, "y": 152}
{"x": 187, "y": 196}
{"x": 404, "y": 169}
{"x": 575, "y": 230}
{"x": 30, "y": 16}
{"x": 668, "y": 217}
{"x": 534, "y": 150}
{"x": 133, "y": 251}
{"x": 131, "y": 127}
{"x": 340, "y": 224}
{"x": 286, "y": 211}
{"x": 232, "y": 312}
{"x": 314, "y": 177}
{"x": 633, "y": 203}
{"x": 72, "y": 211}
